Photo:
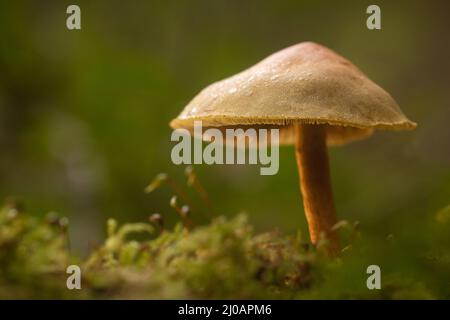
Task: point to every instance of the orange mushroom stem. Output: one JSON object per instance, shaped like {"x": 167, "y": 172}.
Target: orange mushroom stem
{"x": 315, "y": 182}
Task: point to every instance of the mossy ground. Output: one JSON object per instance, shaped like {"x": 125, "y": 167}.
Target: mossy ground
{"x": 223, "y": 259}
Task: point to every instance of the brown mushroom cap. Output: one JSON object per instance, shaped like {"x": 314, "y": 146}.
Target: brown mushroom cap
{"x": 305, "y": 83}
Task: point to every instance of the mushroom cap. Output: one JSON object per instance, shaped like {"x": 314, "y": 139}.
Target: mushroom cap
{"x": 306, "y": 83}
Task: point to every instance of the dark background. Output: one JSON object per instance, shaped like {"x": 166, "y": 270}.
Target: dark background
{"x": 84, "y": 114}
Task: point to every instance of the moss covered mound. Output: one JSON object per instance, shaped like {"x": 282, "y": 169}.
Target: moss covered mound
{"x": 224, "y": 259}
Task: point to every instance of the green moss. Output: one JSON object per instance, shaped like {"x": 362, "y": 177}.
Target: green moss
{"x": 224, "y": 259}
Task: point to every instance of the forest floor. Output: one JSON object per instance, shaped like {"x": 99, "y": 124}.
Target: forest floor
{"x": 223, "y": 259}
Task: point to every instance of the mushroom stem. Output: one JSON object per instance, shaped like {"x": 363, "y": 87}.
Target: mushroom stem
{"x": 315, "y": 182}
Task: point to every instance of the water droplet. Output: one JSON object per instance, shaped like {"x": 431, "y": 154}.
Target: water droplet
{"x": 274, "y": 77}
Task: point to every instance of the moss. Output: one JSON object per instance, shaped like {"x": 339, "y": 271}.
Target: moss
{"x": 222, "y": 259}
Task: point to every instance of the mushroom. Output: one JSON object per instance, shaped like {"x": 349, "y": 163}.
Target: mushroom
{"x": 316, "y": 98}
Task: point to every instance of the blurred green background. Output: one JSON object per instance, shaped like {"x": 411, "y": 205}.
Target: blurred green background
{"x": 84, "y": 114}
